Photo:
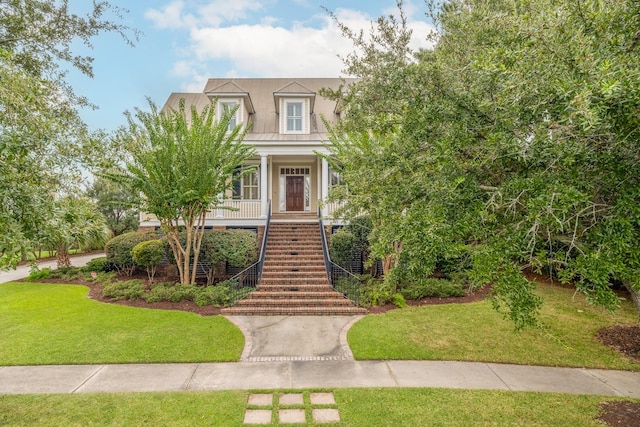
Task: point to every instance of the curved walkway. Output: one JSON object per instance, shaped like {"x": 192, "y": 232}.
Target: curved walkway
{"x": 22, "y": 271}
{"x": 286, "y": 352}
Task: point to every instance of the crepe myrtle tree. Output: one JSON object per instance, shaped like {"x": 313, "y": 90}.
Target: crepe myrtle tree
{"x": 181, "y": 162}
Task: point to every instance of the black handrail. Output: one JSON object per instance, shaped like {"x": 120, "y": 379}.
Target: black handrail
{"x": 249, "y": 278}
{"x": 340, "y": 279}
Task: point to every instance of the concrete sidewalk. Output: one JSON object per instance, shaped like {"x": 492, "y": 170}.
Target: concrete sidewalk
{"x": 301, "y": 374}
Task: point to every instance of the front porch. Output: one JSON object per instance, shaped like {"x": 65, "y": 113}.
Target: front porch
{"x": 294, "y": 184}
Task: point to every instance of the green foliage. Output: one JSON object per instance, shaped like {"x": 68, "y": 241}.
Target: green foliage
{"x": 431, "y": 287}
{"x": 169, "y": 291}
{"x": 342, "y": 247}
{"x": 181, "y": 162}
{"x": 149, "y": 254}
{"x": 511, "y": 143}
{"x": 38, "y": 274}
{"x": 220, "y": 295}
{"x": 44, "y": 145}
{"x": 131, "y": 290}
{"x": 119, "y": 250}
{"x": 115, "y": 204}
{"x": 100, "y": 264}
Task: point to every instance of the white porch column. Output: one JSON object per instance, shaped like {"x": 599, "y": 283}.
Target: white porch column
{"x": 220, "y": 212}
{"x": 264, "y": 183}
{"x": 325, "y": 186}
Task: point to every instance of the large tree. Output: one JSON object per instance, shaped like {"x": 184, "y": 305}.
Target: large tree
{"x": 182, "y": 163}
{"x": 512, "y": 144}
{"x": 116, "y": 205}
{"x": 44, "y": 145}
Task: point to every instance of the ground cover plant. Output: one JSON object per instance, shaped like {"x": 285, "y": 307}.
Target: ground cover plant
{"x": 477, "y": 333}
{"x": 79, "y": 330}
{"x": 357, "y": 407}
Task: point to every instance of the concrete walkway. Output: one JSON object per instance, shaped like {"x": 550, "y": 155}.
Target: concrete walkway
{"x": 314, "y": 374}
{"x": 301, "y": 352}
{"x": 22, "y": 271}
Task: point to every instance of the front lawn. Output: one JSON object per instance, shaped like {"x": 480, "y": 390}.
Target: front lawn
{"x": 357, "y": 407}
{"x": 59, "y": 324}
{"x": 475, "y": 332}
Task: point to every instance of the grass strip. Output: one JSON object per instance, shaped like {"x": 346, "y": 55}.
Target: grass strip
{"x": 357, "y": 407}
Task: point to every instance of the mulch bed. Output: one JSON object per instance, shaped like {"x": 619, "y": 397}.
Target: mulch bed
{"x": 620, "y": 413}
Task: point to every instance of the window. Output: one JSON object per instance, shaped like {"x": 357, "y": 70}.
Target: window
{"x": 335, "y": 178}
{"x": 228, "y": 106}
{"x": 246, "y": 187}
{"x": 294, "y": 116}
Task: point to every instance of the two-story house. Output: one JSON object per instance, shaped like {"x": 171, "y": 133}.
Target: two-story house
{"x": 286, "y": 129}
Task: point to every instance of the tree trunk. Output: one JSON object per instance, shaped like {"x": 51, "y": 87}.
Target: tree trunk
{"x": 635, "y": 297}
{"x": 62, "y": 257}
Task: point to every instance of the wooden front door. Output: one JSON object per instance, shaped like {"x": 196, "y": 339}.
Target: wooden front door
{"x": 295, "y": 193}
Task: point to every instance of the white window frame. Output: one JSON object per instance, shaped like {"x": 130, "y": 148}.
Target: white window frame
{"x": 230, "y": 104}
{"x": 297, "y": 118}
{"x": 247, "y": 184}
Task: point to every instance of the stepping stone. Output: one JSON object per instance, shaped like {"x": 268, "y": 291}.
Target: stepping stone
{"x": 257, "y": 416}
{"x": 291, "y": 399}
{"x": 292, "y": 416}
{"x": 261, "y": 399}
{"x": 322, "y": 399}
{"x": 325, "y": 415}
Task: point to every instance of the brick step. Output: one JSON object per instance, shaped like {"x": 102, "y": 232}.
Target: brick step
{"x": 293, "y": 259}
{"x": 292, "y": 276}
{"x": 294, "y": 267}
{"x": 293, "y": 287}
{"x": 263, "y": 294}
{"x": 281, "y": 282}
{"x": 298, "y": 302}
{"x": 293, "y": 311}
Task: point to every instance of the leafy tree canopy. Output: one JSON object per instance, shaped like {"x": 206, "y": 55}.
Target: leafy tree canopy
{"x": 511, "y": 144}
{"x": 43, "y": 142}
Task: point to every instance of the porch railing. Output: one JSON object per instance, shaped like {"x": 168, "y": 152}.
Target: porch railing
{"x": 340, "y": 279}
{"x": 249, "y": 278}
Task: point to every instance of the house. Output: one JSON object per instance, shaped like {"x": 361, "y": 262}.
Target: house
{"x": 287, "y": 131}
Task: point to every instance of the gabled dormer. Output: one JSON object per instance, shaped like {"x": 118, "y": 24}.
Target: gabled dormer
{"x": 294, "y": 107}
{"x": 229, "y": 95}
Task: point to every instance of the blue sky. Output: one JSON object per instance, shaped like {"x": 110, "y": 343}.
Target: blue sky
{"x": 185, "y": 42}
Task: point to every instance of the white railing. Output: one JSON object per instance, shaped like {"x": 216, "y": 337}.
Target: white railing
{"x": 239, "y": 209}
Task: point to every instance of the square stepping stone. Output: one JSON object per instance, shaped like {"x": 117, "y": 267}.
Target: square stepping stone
{"x": 291, "y": 399}
{"x": 292, "y": 416}
{"x": 322, "y": 399}
{"x": 257, "y": 416}
{"x": 325, "y": 415}
{"x": 261, "y": 399}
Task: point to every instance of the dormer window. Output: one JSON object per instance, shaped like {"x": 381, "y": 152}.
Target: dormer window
{"x": 229, "y": 105}
{"x": 294, "y": 116}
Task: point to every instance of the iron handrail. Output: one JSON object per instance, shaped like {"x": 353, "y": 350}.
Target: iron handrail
{"x": 339, "y": 278}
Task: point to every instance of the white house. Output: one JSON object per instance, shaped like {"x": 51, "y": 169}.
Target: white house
{"x": 286, "y": 129}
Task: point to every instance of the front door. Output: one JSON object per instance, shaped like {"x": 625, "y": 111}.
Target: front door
{"x": 295, "y": 193}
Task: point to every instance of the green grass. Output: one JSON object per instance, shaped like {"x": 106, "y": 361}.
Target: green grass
{"x": 475, "y": 332}
{"x": 357, "y": 407}
{"x": 59, "y": 324}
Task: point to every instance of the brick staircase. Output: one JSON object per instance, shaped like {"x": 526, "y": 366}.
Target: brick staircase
{"x": 294, "y": 279}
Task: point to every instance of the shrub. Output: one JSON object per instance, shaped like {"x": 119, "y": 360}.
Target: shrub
{"x": 432, "y": 287}
{"x": 342, "y": 248}
{"x": 119, "y": 249}
{"x": 149, "y": 254}
{"x": 130, "y": 289}
{"x": 38, "y": 274}
{"x": 98, "y": 265}
{"x": 169, "y": 291}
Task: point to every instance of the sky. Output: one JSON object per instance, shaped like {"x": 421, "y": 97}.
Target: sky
{"x": 183, "y": 43}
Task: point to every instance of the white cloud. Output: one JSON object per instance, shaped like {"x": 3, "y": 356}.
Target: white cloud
{"x": 213, "y": 12}
{"x": 264, "y": 48}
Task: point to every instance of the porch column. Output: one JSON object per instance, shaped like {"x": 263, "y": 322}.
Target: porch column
{"x": 220, "y": 212}
{"x": 325, "y": 186}
{"x": 264, "y": 183}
